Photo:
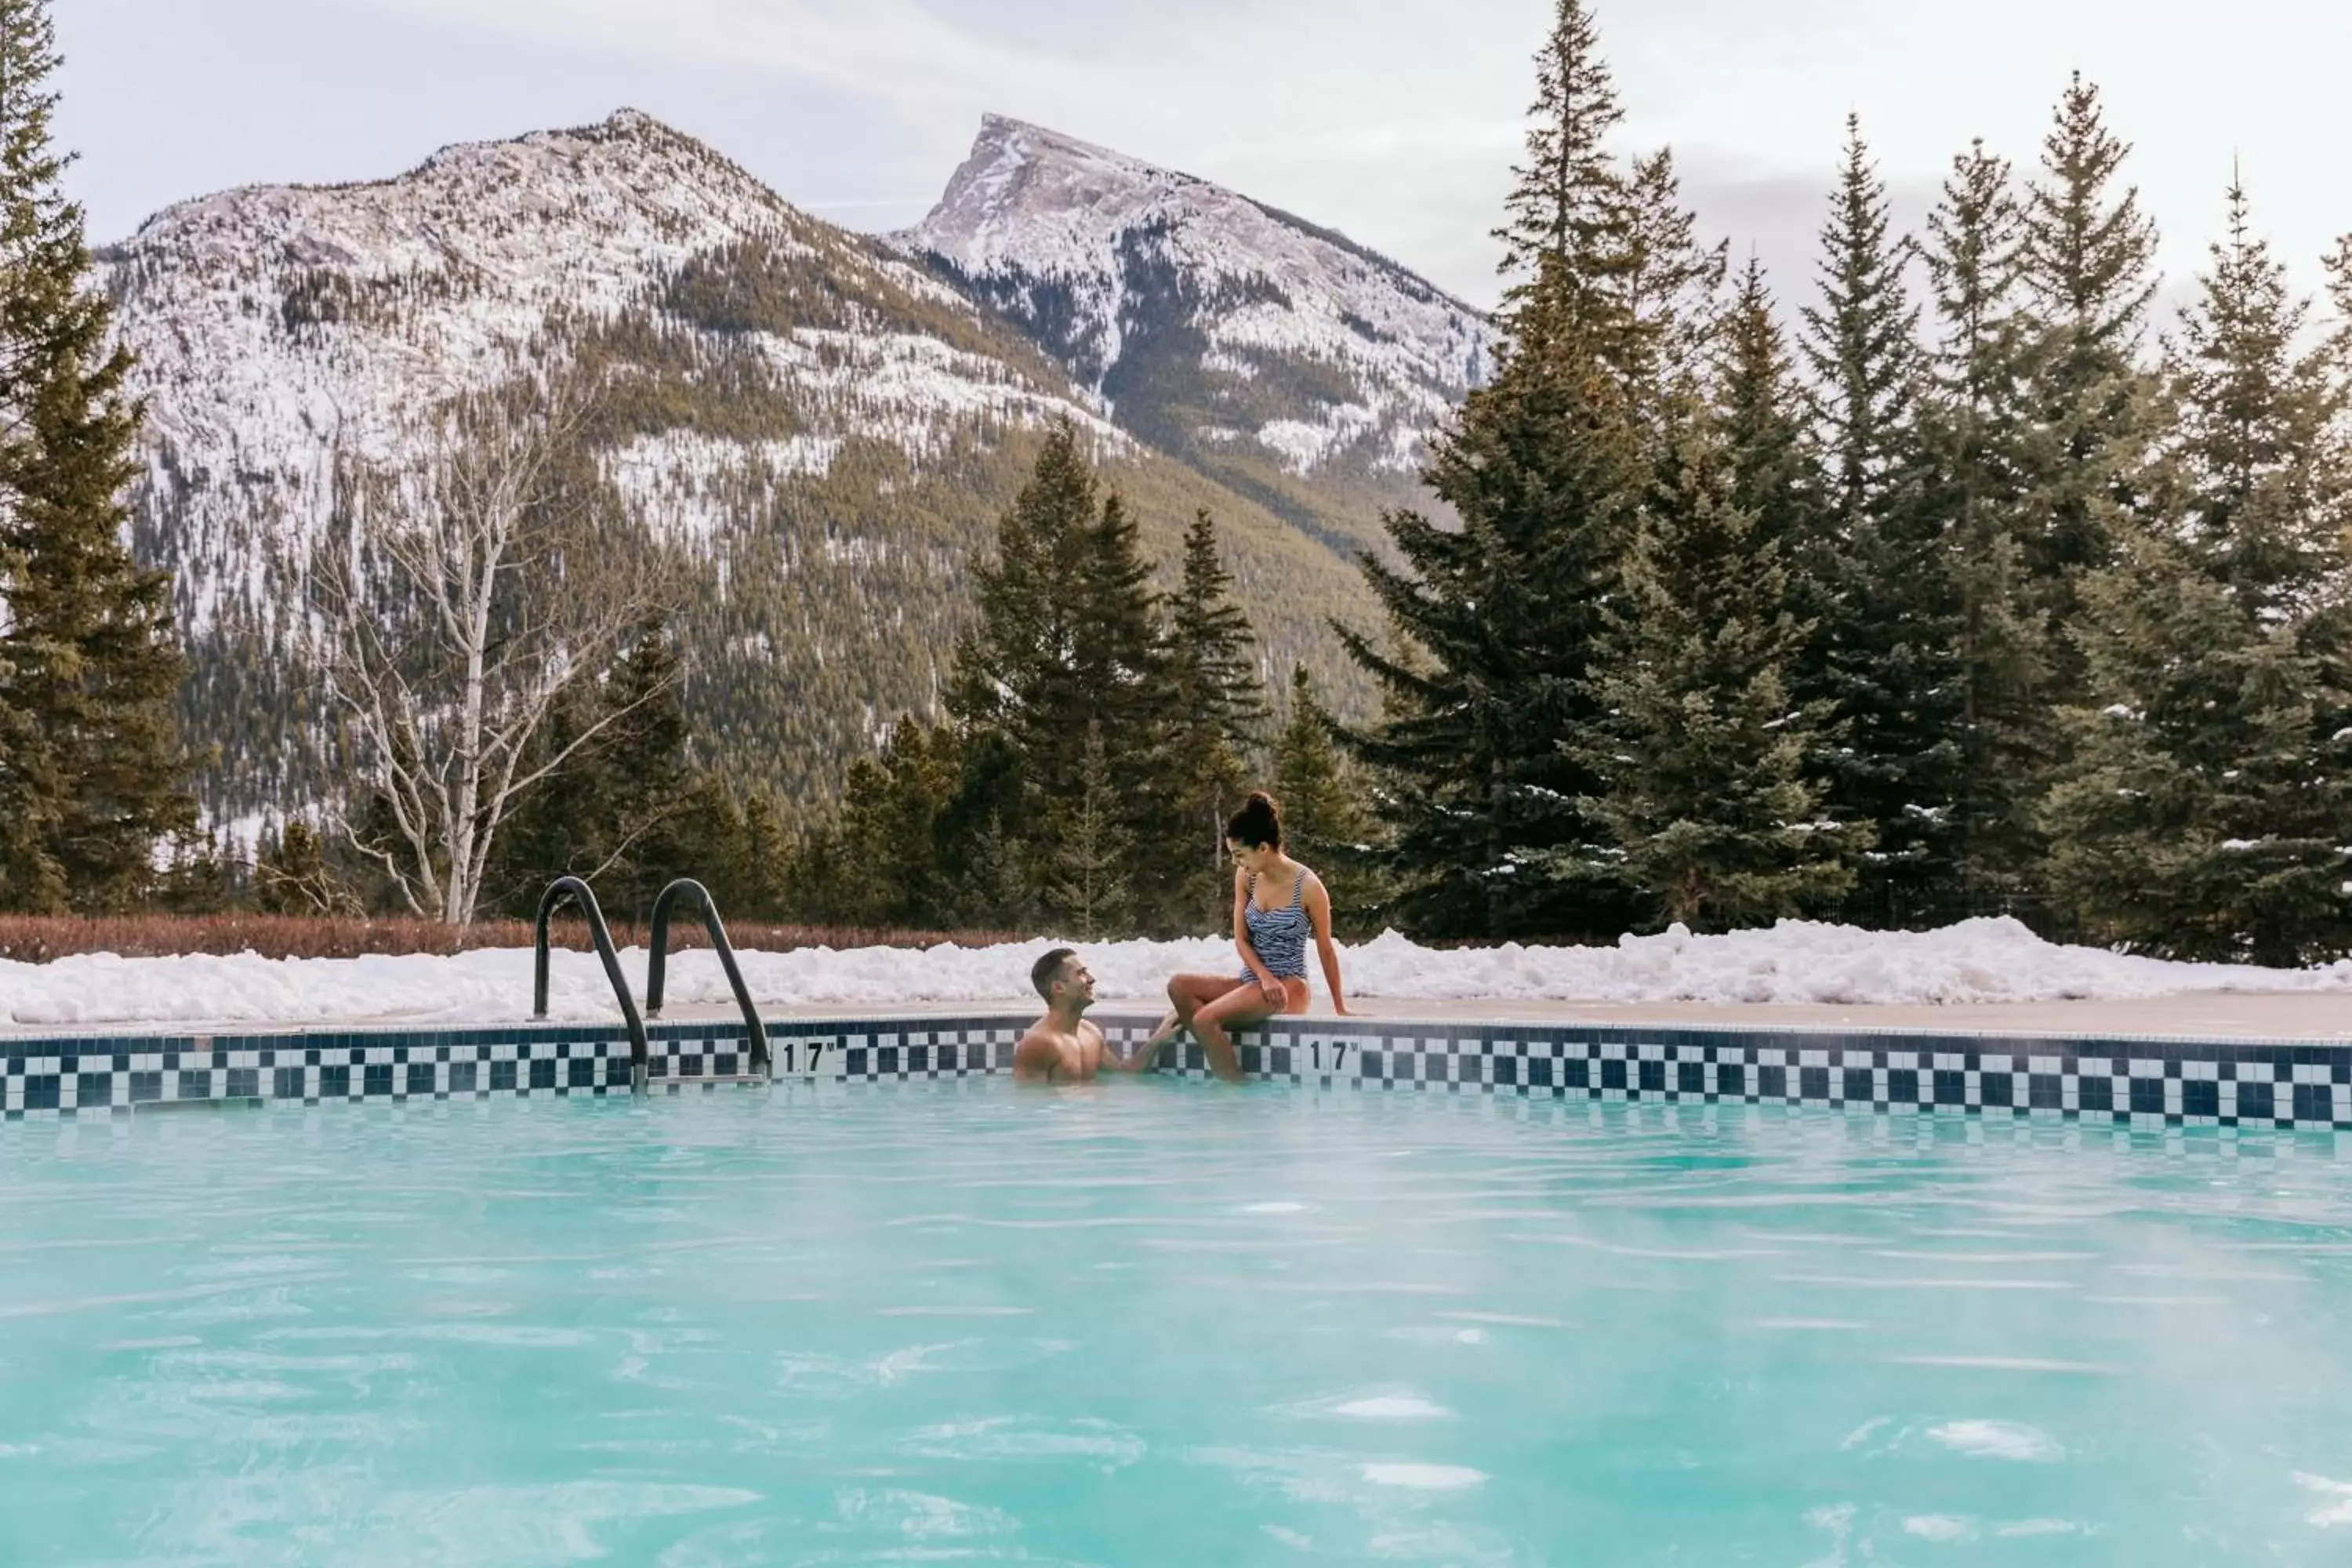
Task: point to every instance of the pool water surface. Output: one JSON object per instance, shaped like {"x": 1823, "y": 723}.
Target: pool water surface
{"x": 1166, "y": 1323}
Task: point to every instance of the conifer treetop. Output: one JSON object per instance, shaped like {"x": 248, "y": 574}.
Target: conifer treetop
{"x": 2253, "y": 415}
{"x": 1759, "y": 402}
{"x": 2090, "y": 251}
{"x": 41, "y": 239}
{"x": 2338, "y": 265}
{"x": 1669, "y": 284}
{"x": 1975, "y": 255}
{"x": 1862, "y": 341}
{"x": 1566, "y": 208}
{"x": 1212, "y": 644}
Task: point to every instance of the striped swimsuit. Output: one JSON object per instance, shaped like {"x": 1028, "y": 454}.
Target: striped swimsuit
{"x": 1280, "y": 936}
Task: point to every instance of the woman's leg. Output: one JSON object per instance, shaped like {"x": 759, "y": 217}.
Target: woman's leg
{"x": 1187, "y": 994}
{"x": 1237, "y": 1009}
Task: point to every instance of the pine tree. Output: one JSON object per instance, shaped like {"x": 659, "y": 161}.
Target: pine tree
{"x": 293, "y": 875}
{"x": 1704, "y": 759}
{"x": 1070, "y": 640}
{"x": 759, "y": 884}
{"x": 1499, "y": 623}
{"x": 1327, "y": 822}
{"x": 648, "y": 783}
{"x": 1771, "y": 474}
{"x": 2088, "y": 262}
{"x": 1862, "y": 344}
{"x": 1881, "y": 654}
{"x": 1980, "y": 441}
{"x": 1322, "y": 809}
{"x": 561, "y": 826}
{"x": 889, "y": 833}
{"x": 988, "y": 832}
{"x": 198, "y": 877}
{"x": 1670, "y": 285}
{"x": 1564, "y": 245}
{"x": 1092, "y": 852}
{"x": 1494, "y": 624}
{"x": 2338, "y": 266}
{"x": 1000, "y": 888}
{"x": 2203, "y": 815}
{"x": 1213, "y": 662}
{"x": 90, "y": 774}
{"x": 627, "y": 811}
{"x": 1759, "y": 411}
{"x": 1218, "y": 708}
{"x": 1014, "y": 672}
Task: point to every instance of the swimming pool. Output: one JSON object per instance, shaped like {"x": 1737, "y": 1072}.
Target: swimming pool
{"x": 1164, "y": 1323}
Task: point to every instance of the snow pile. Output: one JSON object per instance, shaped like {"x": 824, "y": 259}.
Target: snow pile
{"x": 1800, "y": 961}
{"x": 1981, "y": 960}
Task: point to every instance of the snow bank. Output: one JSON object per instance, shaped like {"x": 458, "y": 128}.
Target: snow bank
{"x": 1982, "y": 960}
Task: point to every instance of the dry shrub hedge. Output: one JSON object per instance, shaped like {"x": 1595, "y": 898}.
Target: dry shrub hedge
{"x": 41, "y": 939}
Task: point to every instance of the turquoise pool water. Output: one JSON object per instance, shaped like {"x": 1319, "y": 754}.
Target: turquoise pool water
{"x": 1164, "y": 1323}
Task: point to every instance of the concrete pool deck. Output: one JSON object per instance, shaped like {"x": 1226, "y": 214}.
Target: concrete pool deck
{"x": 2209, "y": 1016}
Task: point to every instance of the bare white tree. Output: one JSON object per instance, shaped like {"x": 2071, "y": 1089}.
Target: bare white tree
{"x": 456, "y": 603}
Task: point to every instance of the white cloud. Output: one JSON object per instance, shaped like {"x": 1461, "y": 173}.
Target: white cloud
{"x": 898, "y": 51}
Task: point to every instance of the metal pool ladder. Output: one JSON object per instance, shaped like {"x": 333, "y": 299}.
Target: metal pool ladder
{"x": 573, "y": 888}
{"x": 657, "y": 967}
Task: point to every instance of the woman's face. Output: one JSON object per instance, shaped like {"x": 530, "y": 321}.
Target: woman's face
{"x": 1253, "y": 858}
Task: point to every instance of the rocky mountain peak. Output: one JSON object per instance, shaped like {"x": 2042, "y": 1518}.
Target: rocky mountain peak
{"x": 1182, "y": 301}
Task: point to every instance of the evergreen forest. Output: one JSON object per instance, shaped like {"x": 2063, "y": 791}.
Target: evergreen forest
{"x": 1974, "y": 583}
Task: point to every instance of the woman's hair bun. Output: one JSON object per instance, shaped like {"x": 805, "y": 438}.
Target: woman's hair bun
{"x": 1259, "y": 822}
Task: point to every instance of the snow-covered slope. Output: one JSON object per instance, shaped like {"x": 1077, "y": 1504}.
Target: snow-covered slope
{"x": 756, "y": 353}
{"x": 1205, "y": 318}
{"x": 275, "y": 326}
{"x": 823, "y": 425}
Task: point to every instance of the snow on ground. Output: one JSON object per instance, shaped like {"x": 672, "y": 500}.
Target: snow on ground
{"x": 1982, "y": 960}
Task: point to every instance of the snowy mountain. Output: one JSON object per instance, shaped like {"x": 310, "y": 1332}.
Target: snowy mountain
{"x": 824, "y": 426}
{"x": 276, "y": 325}
{"x": 1213, "y": 326}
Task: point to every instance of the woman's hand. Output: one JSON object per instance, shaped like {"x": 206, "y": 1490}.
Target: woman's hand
{"x": 1340, "y": 1009}
{"x": 1275, "y": 992}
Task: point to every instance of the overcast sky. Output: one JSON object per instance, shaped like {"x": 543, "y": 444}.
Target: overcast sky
{"x": 1395, "y": 120}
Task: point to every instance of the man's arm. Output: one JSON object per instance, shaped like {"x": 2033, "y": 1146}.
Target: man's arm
{"x": 1146, "y": 1056}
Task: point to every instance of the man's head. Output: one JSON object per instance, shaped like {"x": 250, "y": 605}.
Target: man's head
{"x": 1063, "y": 981}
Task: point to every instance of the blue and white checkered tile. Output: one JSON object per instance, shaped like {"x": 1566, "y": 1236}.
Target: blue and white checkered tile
{"x": 2146, "y": 1084}
{"x": 81, "y": 1078}
{"x": 676, "y": 1061}
{"x": 896, "y": 1052}
{"x": 2131, "y": 1083}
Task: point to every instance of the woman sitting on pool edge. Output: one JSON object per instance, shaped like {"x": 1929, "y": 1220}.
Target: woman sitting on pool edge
{"x": 1278, "y": 904}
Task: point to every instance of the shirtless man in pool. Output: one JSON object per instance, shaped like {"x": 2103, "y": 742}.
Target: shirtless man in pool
{"x": 1062, "y": 1046}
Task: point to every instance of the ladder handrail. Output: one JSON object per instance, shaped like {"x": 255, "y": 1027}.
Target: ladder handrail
{"x": 565, "y": 888}
{"x": 657, "y": 963}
